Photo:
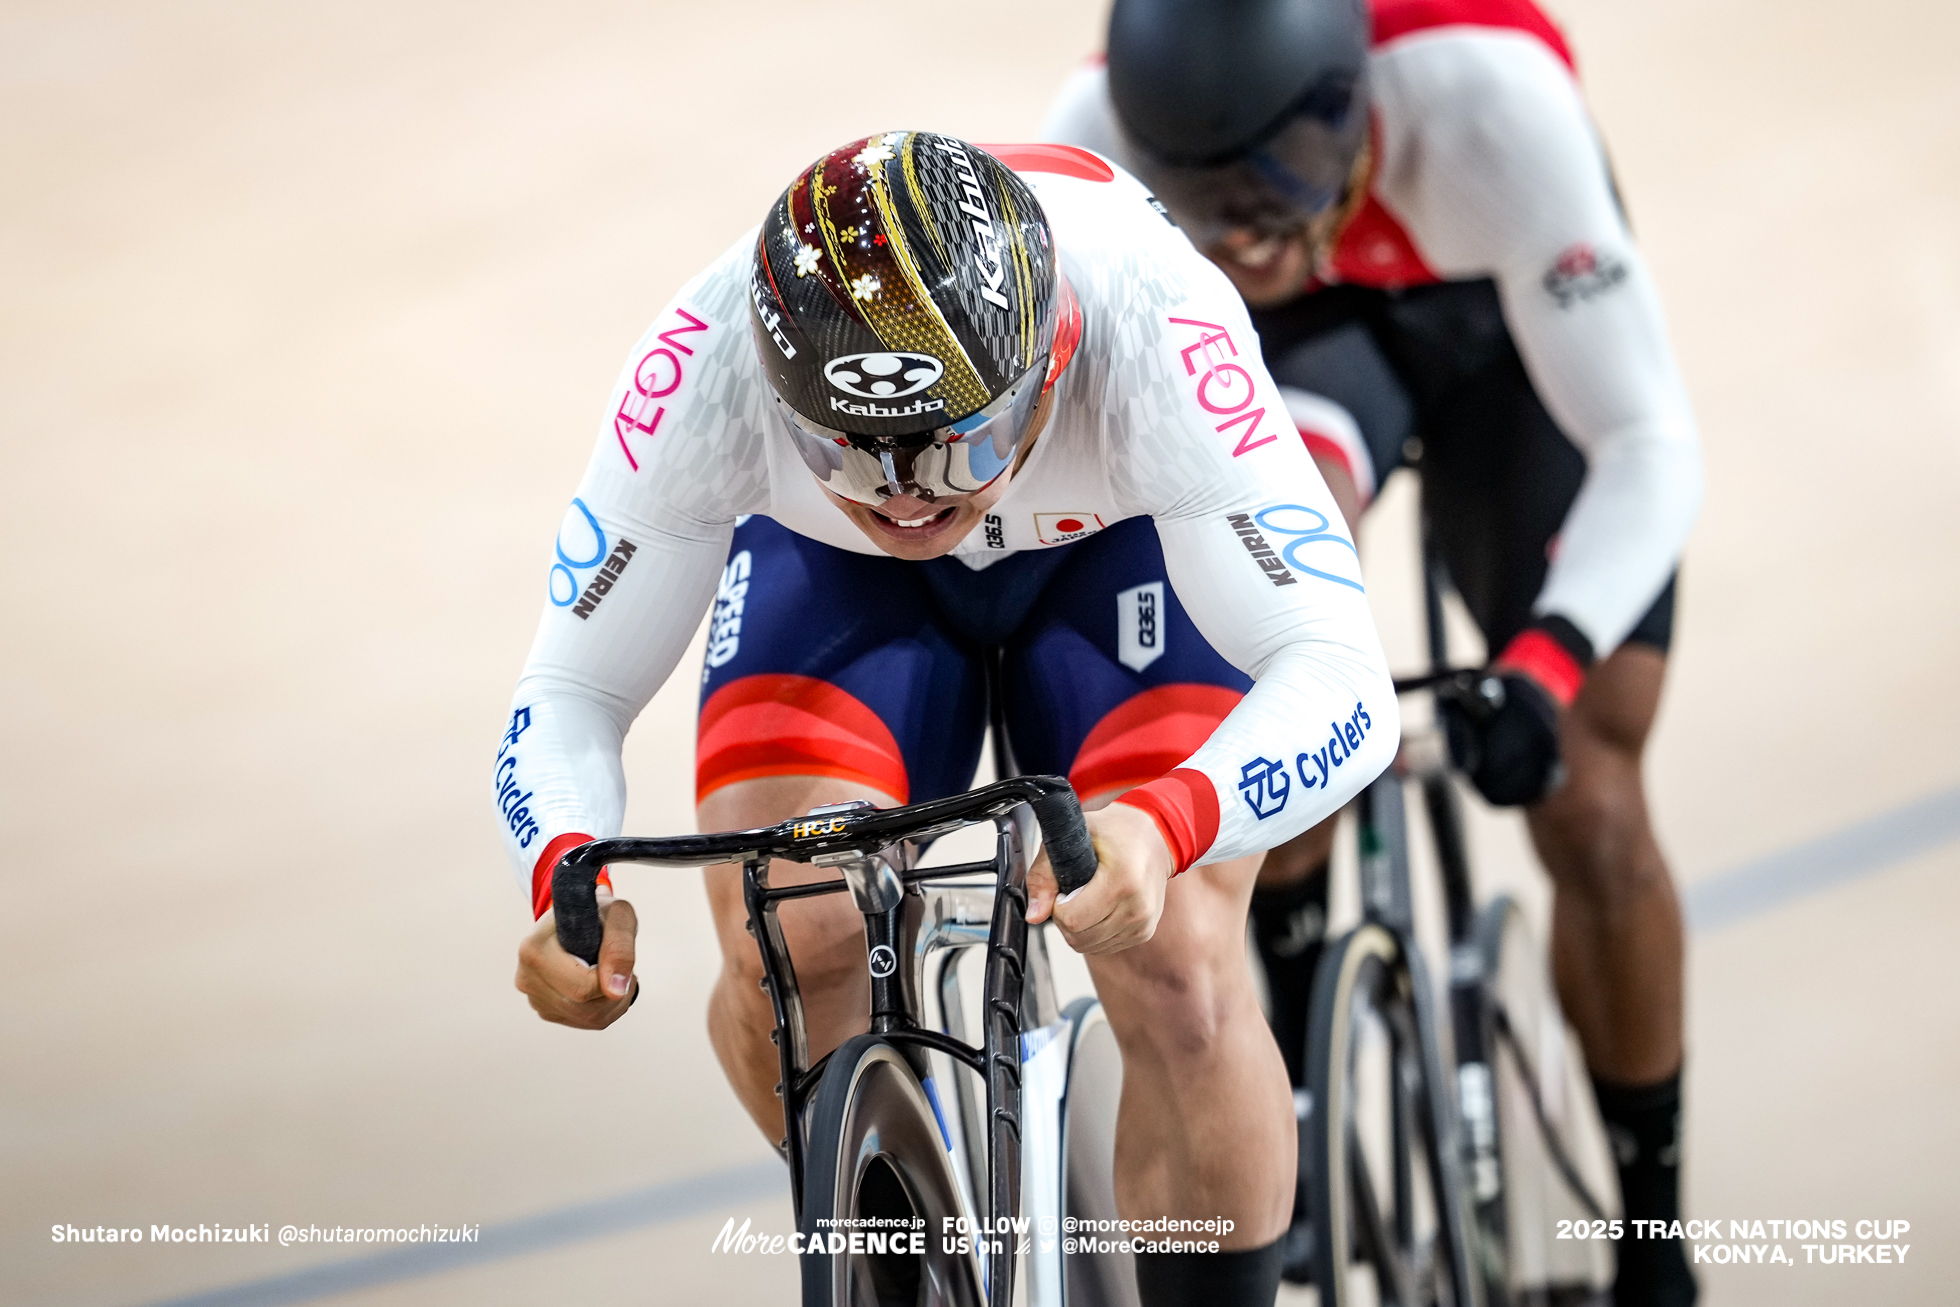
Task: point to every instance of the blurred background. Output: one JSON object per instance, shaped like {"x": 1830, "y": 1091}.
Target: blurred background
{"x": 310, "y": 315}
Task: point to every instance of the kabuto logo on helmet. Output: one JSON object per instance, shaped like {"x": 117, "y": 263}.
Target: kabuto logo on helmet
{"x": 908, "y": 249}
{"x": 891, "y": 375}
{"x": 973, "y": 203}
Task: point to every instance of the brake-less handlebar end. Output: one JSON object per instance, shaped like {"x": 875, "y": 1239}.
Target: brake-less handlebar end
{"x": 575, "y": 900}
{"x": 1066, "y": 836}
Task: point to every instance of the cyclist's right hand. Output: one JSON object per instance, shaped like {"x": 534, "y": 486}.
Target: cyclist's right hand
{"x": 563, "y": 988}
{"x": 1504, "y": 734}
{"x": 1120, "y": 908}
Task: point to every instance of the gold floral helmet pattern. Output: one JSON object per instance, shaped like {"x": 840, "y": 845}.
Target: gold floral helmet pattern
{"x": 902, "y": 283}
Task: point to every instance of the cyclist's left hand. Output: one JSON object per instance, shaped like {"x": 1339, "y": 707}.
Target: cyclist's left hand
{"x": 1120, "y": 907}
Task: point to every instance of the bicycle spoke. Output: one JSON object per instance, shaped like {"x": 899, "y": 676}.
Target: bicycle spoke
{"x": 1373, "y": 1241}
{"x": 1554, "y": 1145}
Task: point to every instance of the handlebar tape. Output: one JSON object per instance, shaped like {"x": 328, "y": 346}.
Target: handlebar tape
{"x": 575, "y": 898}
{"x": 1070, "y": 852}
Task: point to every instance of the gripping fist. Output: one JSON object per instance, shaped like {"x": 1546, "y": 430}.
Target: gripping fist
{"x": 563, "y": 989}
{"x": 1503, "y": 733}
{"x": 1503, "y": 725}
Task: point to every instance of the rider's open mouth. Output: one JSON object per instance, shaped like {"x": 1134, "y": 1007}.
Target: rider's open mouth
{"x": 894, "y": 523}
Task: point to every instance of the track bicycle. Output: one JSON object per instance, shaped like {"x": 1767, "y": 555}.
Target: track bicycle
{"x": 908, "y": 1129}
{"x": 1437, "y": 1168}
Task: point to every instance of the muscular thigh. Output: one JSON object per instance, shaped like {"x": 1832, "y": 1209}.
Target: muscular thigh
{"x": 828, "y": 678}
{"x": 1108, "y": 681}
{"x": 1177, "y": 989}
{"x": 1602, "y": 739}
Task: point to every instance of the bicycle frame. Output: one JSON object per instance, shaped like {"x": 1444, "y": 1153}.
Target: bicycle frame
{"x": 908, "y": 928}
{"x": 911, "y": 916}
{"x": 1387, "y": 902}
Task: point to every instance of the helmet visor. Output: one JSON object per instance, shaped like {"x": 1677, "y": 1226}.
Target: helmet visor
{"x": 1277, "y": 188}
{"x": 960, "y": 458}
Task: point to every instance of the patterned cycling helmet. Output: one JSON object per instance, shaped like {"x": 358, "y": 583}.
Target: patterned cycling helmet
{"x": 905, "y": 301}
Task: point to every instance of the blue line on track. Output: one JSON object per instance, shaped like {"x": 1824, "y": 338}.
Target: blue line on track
{"x": 1748, "y": 891}
{"x": 658, "y": 1205}
{"x": 1819, "y": 864}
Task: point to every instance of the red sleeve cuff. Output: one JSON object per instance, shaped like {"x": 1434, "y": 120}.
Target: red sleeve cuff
{"x": 1185, "y": 807}
{"x": 1545, "y": 661}
{"x": 547, "y": 862}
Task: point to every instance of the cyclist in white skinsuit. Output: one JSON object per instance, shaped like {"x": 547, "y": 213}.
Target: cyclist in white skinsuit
{"x": 1163, "y": 412}
{"x": 1456, "y": 270}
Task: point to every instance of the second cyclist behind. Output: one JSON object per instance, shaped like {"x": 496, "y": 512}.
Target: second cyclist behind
{"x": 1415, "y": 205}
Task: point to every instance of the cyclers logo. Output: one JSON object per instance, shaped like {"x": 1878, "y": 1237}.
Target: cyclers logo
{"x": 513, "y": 800}
{"x": 1264, "y": 785}
{"x": 1341, "y": 745}
{"x": 883, "y": 376}
{"x": 1314, "y": 531}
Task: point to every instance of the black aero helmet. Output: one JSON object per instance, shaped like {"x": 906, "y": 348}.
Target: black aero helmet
{"x": 904, "y": 299}
{"x": 1245, "y": 113}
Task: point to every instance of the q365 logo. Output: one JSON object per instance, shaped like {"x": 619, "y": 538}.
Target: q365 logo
{"x": 883, "y": 375}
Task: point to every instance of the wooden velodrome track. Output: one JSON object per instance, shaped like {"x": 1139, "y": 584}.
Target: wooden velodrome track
{"x": 310, "y": 310}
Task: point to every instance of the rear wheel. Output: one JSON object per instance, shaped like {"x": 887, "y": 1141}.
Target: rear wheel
{"x": 1378, "y": 1177}
{"x": 878, "y": 1168}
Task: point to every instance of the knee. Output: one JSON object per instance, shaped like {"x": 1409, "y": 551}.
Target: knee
{"x": 741, "y": 962}
{"x": 1191, "y": 1018}
{"x": 1182, "y": 1015}
{"x": 1591, "y": 834}
{"x": 825, "y": 944}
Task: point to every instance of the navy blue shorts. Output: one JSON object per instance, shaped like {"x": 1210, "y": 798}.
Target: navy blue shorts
{"x": 823, "y": 662}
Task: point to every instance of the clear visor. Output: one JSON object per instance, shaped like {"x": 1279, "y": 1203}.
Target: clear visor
{"x": 1277, "y": 190}
{"x": 961, "y": 458}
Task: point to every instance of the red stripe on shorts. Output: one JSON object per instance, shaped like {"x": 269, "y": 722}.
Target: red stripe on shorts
{"x": 1147, "y": 735}
{"x": 775, "y": 724}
